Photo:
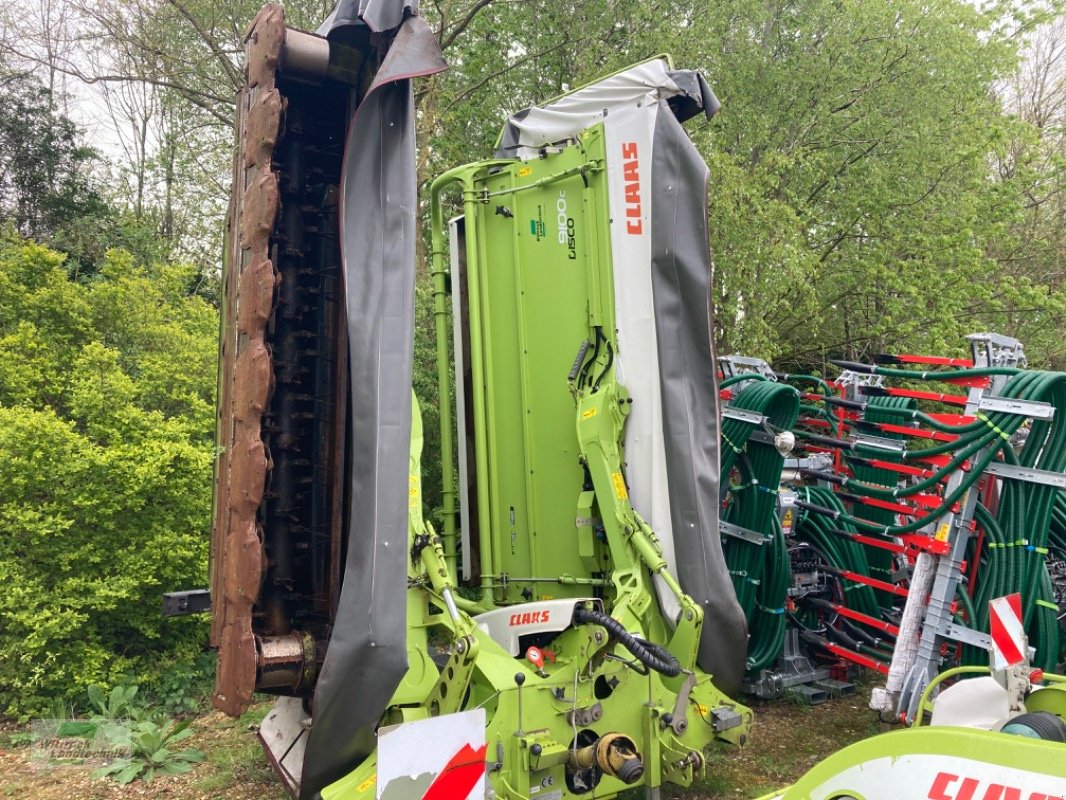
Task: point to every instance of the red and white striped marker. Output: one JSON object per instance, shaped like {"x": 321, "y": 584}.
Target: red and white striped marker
{"x": 1009, "y": 644}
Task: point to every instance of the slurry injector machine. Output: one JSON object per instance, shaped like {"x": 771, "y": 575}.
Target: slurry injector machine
{"x": 907, "y": 516}
{"x": 906, "y": 495}
{"x": 571, "y": 630}
{"x": 914, "y": 490}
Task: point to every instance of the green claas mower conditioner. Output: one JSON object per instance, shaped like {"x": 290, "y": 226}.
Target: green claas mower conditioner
{"x": 571, "y": 629}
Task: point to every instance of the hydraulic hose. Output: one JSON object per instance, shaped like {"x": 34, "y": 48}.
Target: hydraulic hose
{"x": 647, "y": 653}
{"x": 923, "y": 375}
{"x": 760, "y": 572}
{"x": 1018, "y": 534}
{"x": 1019, "y": 521}
{"x": 841, "y": 553}
{"x": 881, "y": 409}
{"x": 725, "y": 383}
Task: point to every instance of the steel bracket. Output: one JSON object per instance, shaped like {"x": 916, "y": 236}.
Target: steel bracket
{"x": 740, "y": 415}
{"x": 1023, "y": 408}
{"x": 746, "y": 534}
{"x": 1001, "y": 470}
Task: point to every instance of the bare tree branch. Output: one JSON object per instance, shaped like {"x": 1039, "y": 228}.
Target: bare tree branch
{"x": 227, "y": 65}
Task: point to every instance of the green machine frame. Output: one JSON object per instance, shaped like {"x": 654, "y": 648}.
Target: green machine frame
{"x": 619, "y": 701}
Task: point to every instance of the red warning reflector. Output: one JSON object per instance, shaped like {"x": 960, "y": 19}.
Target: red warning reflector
{"x": 1008, "y": 634}
{"x": 535, "y": 657}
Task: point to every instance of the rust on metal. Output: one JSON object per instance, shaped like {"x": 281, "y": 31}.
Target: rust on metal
{"x": 260, "y": 207}
{"x": 263, "y": 46}
{"x": 256, "y": 287}
{"x": 280, "y": 514}
{"x": 247, "y": 468}
{"x": 261, "y": 133}
{"x": 243, "y": 561}
{"x": 285, "y": 662}
{"x": 246, "y": 375}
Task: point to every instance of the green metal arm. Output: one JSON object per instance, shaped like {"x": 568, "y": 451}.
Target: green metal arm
{"x": 634, "y": 547}
{"x": 925, "y": 704}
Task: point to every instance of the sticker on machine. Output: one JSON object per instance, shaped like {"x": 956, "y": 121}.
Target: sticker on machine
{"x": 939, "y": 777}
{"x": 440, "y": 758}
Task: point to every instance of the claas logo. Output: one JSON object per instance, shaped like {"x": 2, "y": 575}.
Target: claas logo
{"x": 958, "y": 787}
{"x": 528, "y": 618}
{"x": 631, "y": 177}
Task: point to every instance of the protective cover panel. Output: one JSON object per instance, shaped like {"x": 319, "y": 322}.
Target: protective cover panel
{"x": 680, "y": 278}
{"x": 662, "y": 272}
{"x": 630, "y": 139}
{"x": 641, "y": 85}
{"x": 366, "y": 657}
{"x": 529, "y": 280}
{"x": 378, "y": 15}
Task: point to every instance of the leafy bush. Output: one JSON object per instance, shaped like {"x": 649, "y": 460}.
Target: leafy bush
{"x": 106, "y": 447}
{"x": 183, "y": 687}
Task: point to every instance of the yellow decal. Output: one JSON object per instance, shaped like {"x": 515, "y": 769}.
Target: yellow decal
{"x": 525, "y": 171}
{"x": 787, "y": 521}
{"x": 619, "y": 486}
{"x": 547, "y": 597}
{"x": 942, "y": 532}
{"x": 589, "y": 414}
{"x": 704, "y": 710}
{"x": 368, "y": 783}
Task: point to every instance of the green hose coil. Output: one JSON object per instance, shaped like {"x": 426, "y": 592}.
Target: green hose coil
{"x": 760, "y": 572}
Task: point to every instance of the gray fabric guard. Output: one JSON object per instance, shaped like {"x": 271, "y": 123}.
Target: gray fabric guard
{"x": 378, "y": 15}
{"x": 681, "y": 285}
{"x": 367, "y": 653}
{"x": 696, "y": 96}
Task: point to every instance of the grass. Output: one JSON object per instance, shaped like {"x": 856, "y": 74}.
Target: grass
{"x": 787, "y": 739}
{"x": 235, "y": 758}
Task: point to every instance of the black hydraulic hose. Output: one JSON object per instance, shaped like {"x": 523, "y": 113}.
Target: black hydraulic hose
{"x": 826, "y": 441}
{"x": 816, "y": 524}
{"x": 841, "y": 638}
{"x": 647, "y": 653}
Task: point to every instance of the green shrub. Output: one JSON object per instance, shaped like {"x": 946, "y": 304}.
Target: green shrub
{"x": 184, "y": 686}
{"x": 106, "y": 447}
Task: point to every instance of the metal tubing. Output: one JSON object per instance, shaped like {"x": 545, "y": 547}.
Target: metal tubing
{"x": 439, "y": 272}
{"x": 304, "y": 55}
{"x": 481, "y": 386}
{"x": 285, "y": 662}
{"x": 464, "y": 176}
{"x": 449, "y": 602}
